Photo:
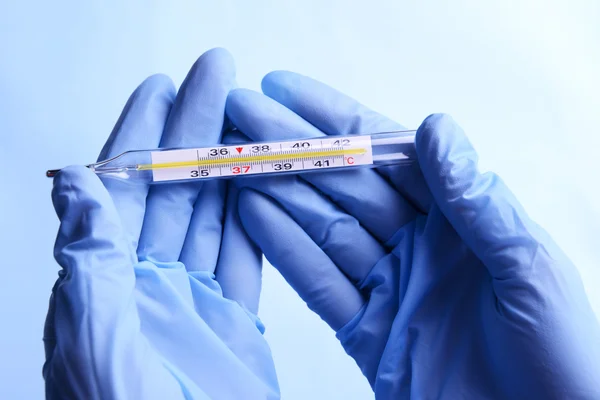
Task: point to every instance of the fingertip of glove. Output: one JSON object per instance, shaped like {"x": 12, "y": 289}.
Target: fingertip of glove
{"x": 253, "y": 113}
{"x": 431, "y": 129}
{"x": 446, "y": 157}
{"x": 239, "y": 96}
{"x": 75, "y": 183}
{"x": 219, "y": 57}
{"x": 216, "y": 65}
{"x": 238, "y": 100}
{"x": 74, "y": 175}
{"x": 440, "y": 143}
{"x": 274, "y": 81}
{"x": 157, "y": 83}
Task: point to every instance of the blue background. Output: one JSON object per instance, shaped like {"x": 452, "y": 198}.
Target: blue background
{"x": 521, "y": 76}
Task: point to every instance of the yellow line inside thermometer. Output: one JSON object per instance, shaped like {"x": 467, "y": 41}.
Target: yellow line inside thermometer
{"x": 253, "y": 159}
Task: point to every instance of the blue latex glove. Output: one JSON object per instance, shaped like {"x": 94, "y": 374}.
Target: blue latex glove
{"x": 137, "y": 312}
{"x": 435, "y": 279}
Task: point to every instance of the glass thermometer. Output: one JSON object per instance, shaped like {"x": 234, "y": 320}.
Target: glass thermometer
{"x": 259, "y": 158}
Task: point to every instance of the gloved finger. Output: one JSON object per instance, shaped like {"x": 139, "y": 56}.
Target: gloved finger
{"x": 261, "y": 118}
{"x": 479, "y": 206}
{"x": 139, "y": 127}
{"x": 202, "y": 244}
{"x": 196, "y": 119}
{"x": 334, "y": 231}
{"x": 337, "y": 114}
{"x": 98, "y": 342}
{"x": 302, "y": 263}
{"x": 90, "y": 229}
{"x": 239, "y": 271}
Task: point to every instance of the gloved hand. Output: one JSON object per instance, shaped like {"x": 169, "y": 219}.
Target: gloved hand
{"x": 137, "y": 312}
{"x": 433, "y": 276}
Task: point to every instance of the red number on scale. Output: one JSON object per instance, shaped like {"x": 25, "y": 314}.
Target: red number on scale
{"x": 240, "y": 170}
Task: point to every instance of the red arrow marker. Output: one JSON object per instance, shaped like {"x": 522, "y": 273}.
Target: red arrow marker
{"x": 239, "y": 149}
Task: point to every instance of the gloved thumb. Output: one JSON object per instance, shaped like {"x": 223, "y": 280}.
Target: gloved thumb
{"x": 94, "y": 312}
{"x": 90, "y": 231}
{"x": 479, "y": 206}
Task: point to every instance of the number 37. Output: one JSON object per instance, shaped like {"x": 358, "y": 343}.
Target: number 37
{"x": 240, "y": 170}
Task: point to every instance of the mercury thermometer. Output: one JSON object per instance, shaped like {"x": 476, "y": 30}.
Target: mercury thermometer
{"x": 259, "y": 158}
